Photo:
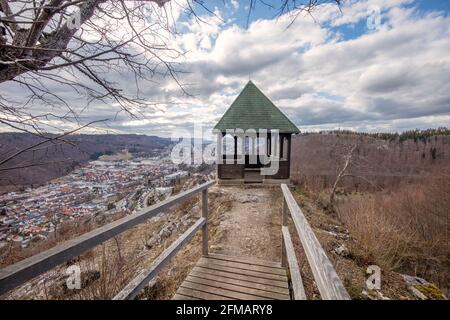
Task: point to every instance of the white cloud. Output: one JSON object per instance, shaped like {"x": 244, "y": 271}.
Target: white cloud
{"x": 393, "y": 78}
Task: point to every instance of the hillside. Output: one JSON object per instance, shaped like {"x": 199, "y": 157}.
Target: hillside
{"x": 317, "y": 157}
{"x": 58, "y": 158}
{"x": 394, "y": 202}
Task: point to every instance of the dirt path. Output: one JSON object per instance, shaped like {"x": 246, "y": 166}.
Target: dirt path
{"x": 251, "y": 228}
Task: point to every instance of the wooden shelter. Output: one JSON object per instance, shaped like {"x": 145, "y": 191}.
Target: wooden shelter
{"x": 260, "y": 138}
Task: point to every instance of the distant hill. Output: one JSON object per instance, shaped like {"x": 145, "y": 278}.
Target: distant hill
{"x": 385, "y": 160}
{"x": 64, "y": 157}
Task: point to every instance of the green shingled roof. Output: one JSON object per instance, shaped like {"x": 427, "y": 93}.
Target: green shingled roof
{"x": 253, "y": 110}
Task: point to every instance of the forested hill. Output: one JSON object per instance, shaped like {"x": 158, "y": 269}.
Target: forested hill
{"x": 384, "y": 159}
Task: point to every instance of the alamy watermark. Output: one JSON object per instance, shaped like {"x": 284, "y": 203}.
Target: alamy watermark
{"x": 74, "y": 20}
{"x": 373, "y": 282}
{"x": 73, "y": 281}
{"x": 373, "y": 17}
{"x": 233, "y": 146}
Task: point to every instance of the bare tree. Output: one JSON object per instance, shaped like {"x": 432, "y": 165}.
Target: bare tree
{"x": 86, "y": 39}
{"x": 350, "y": 164}
{"x": 77, "y": 44}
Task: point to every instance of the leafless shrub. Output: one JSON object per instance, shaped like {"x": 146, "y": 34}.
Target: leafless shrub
{"x": 405, "y": 230}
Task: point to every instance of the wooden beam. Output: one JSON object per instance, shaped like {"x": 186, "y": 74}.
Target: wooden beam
{"x": 230, "y": 294}
{"x": 241, "y": 277}
{"x": 281, "y": 137}
{"x": 237, "y": 287}
{"x": 289, "y": 154}
{"x": 219, "y": 152}
{"x": 209, "y": 265}
{"x": 245, "y": 266}
{"x": 296, "y": 277}
{"x": 205, "y": 226}
{"x": 254, "y": 261}
{"x": 235, "y": 148}
{"x": 22, "y": 271}
{"x": 142, "y": 280}
{"x": 243, "y": 283}
{"x": 284, "y": 222}
{"x": 328, "y": 282}
{"x": 284, "y": 218}
{"x": 274, "y": 145}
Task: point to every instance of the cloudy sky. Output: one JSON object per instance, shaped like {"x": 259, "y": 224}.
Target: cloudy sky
{"x": 381, "y": 65}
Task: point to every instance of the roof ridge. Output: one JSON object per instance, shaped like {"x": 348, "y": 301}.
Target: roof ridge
{"x": 253, "y": 109}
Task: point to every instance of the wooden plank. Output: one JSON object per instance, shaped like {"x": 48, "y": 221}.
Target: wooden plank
{"x": 284, "y": 222}
{"x": 246, "y": 266}
{"x": 223, "y": 292}
{"x": 258, "y": 262}
{"x": 200, "y": 294}
{"x": 296, "y": 277}
{"x": 213, "y": 266}
{"x": 328, "y": 282}
{"x": 237, "y": 288}
{"x": 281, "y": 292}
{"x": 183, "y": 297}
{"x": 245, "y": 283}
{"x": 138, "y": 283}
{"x": 273, "y": 283}
{"x": 205, "y": 226}
{"x": 22, "y": 271}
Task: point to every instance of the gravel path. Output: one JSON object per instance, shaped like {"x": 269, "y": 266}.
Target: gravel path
{"x": 251, "y": 227}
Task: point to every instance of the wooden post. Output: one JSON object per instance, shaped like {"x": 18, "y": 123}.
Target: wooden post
{"x": 281, "y": 146}
{"x": 284, "y": 223}
{"x": 205, "y": 226}
{"x": 235, "y": 149}
{"x": 289, "y": 141}
{"x": 219, "y": 151}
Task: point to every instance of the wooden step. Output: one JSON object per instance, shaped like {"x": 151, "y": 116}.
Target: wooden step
{"x": 218, "y": 277}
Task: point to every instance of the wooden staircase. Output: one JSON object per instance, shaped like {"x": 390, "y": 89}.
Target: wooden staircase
{"x": 220, "y": 277}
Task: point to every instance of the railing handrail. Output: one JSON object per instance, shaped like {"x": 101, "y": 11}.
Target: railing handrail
{"x": 22, "y": 271}
{"x": 138, "y": 283}
{"x": 327, "y": 280}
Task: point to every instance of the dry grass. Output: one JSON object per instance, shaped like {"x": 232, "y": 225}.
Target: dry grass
{"x": 405, "y": 230}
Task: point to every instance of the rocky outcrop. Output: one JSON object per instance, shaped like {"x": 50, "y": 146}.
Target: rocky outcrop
{"x": 167, "y": 230}
{"x": 422, "y": 289}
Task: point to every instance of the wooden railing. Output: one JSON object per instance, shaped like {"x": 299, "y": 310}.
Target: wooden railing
{"x": 17, "y": 274}
{"x": 328, "y": 282}
{"x": 326, "y": 278}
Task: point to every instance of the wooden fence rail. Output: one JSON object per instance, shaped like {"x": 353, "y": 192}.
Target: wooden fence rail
{"x": 22, "y": 271}
{"x": 327, "y": 280}
{"x": 138, "y": 283}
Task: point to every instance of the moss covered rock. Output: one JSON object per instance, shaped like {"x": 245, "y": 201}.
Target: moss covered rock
{"x": 423, "y": 289}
